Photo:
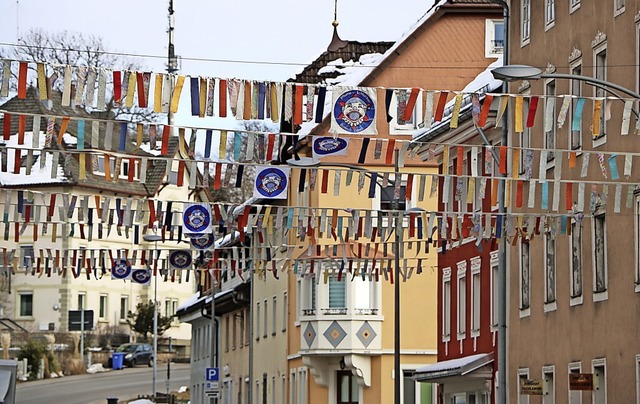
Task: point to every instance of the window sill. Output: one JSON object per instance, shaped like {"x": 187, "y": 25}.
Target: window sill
{"x": 475, "y": 333}
{"x": 574, "y": 8}
{"x": 551, "y": 306}
{"x": 600, "y": 296}
{"x": 525, "y": 42}
{"x": 637, "y": 288}
{"x": 525, "y": 312}
{"x": 446, "y": 338}
{"x": 576, "y": 301}
{"x": 599, "y": 141}
{"x": 25, "y": 318}
{"x": 549, "y": 25}
{"x": 619, "y": 11}
{"x": 461, "y": 336}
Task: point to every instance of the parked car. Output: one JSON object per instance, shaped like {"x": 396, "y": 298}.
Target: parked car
{"x": 135, "y": 354}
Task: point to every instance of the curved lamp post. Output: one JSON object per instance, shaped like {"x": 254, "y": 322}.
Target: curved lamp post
{"x": 303, "y": 162}
{"x": 154, "y": 238}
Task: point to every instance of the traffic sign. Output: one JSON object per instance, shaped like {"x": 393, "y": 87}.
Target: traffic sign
{"x": 212, "y": 393}
{"x": 212, "y": 375}
{"x": 213, "y": 385}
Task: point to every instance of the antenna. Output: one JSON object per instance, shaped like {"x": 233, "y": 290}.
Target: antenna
{"x": 17, "y": 20}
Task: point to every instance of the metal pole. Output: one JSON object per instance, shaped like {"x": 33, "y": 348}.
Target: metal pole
{"x": 82, "y": 335}
{"x": 155, "y": 326}
{"x": 214, "y": 351}
{"x": 396, "y": 328}
{"x": 502, "y": 247}
{"x": 250, "y": 388}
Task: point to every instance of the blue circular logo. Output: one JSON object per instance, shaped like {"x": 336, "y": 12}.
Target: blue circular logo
{"x": 121, "y": 269}
{"x": 328, "y": 145}
{"x": 180, "y": 259}
{"x": 271, "y": 182}
{"x": 142, "y": 276}
{"x": 196, "y": 219}
{"x": 354, "y": 111}
{"x": 203, "y": 241}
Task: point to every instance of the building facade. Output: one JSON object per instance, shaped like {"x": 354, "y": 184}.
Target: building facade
{"x": 574, "y": 271}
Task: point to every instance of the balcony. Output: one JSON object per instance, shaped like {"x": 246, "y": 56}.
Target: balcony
{"x": 340, "y": 330}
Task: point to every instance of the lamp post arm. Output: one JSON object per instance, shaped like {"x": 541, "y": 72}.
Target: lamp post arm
{"x": 605, "y": 85}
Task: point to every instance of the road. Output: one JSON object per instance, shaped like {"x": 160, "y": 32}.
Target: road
{"x": 94, "y": 389}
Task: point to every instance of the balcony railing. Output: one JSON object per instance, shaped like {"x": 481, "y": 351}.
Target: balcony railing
{"x": 497, "y": 46}
{"x": 341, "y": 311}
{"x": 335, "y": 311}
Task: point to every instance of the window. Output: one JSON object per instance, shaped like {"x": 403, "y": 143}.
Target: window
{"x": 549, "y": 270}
{"x": 258, "y": 321}
{"x": 494, "y": 291}
{"x": 576, "y": 91}
{"x": 599, "y": 255}
{"x": 227, "y": 326}
{"x": 124, "y": 307}
{"x": 26, "y": 256}
{"x": 242, "y": 329}
{"x": 337, "y": 295}
{"x": 399, "y": 105}
{"x": 82, "y": 297}
{"x": 170, "y": 308}
{"x": 599, "y": 393}
{"x": 600, "y": 62}
{"x": 575, "y": 261}
{"x": 247, "y": 329}
{"x": 525, "y": 277}
{"x": 462, "y": 300}
{"x": 274, "y": 315}
{"x": 475, "y": 297}
{"x": 387, "y": 198}
{"x": 26, "y": 304}
{"x": 302, "y": 385}
{"x": 618, "y": 7}
{"x": 308, "y": 296}
{"x": 103, "y": 307}
{"x": 548, "y": 373}
{"x": 284, "y": 312}
{"x": 292, "y": 387}
{"x": 574, "y": 5}
{"x": 234, "y": 331}
{"x": 495, "y": 38}
{"x": 446, "y": 304}
{"x": 525, "y": 20}
{"x": 125, "y": 167}
{"x": 523, "y": 375}
{"x": 637, "y": 239}
{"x": 409, "y": 395}
{"x": 550, "y": 137}
{"x": 575, "y": 396}
{"x": 550, "y": 13}
{"x": 265, "y": 329}
{"x": 348, "y": 389}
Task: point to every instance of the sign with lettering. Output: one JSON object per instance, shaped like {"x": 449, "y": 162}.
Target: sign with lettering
{"x": 531, "y": 387}
{"x": 580, "y": 381}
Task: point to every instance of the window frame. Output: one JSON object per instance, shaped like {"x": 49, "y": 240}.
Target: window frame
{"x": 525, "y": 310}
{"x": 103, "y": 307}
{"x": 124, "y": 299}
{"x": 28, "y": 312}
{"x": 553, "y": 135}
{"x": 491, "y": 49}
{"x": 461, "y": 301}
{"x": 549, "y": 14}
{"x": 396, "y": 128}
{"x": 525, "y": 22}
{"x": 598, "y": 50}
{"x": 597, "y": 384}
{"x": 284, "y": 311}
{"x": 495, "y": 281}
{"x": 574, "y": 367}
{"x": 446, "y": 304}
{"x": 573, "y": 5}
{"x": 476, "y": 296}
{"x": 575, "y": 68}
{"x": 523, "y": 373}
{"x": 24, "y": 249}
{"x": 599, "y": 295}
{"x": 550, "y": 385}
{"x": 576, "y": 298}
{"x": 636, "y": 226}
{"x": 550, "y": 304}
{"x": 274, "y": 315}
{"x": 619, "y": 7}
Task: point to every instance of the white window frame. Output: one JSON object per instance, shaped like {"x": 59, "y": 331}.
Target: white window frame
{"x": 476, "y": 296}
{"x": 284, "y": 311}
{"x": 598, "y": 384}
{"x": 494, "y": 290}
{"x": 19, "y": 305}
{"x": 123, "y": 173}
{"x": 24, "y": 250}
{"x": 551, "y": 158}
{"x": 637, "y": 366}
{"x": 618, "y": 7}
{"x": 573, "y": 5}
{"x": 490, "y": 47}
{"x": 461, "y": 301}
{"x": 525, "y": 137}
{"x": 601, "y": 295}
{"x": 576, "y": 298}
{"x": 549, "y": 14}
{"x": 574, "y": 367}
{"x": 599, "y": 92}
{"x": 402, "y": 129}
{"x": 274, "y": 315}
{"x": 127, "y": 307}
{"x": 102, "y": 314}
{"x": 636, "y": 228}
{"x": 525, "y": 311}
{"x": 293, "y": 397}
{"x": 446, "y": 304}
{"x": 550, "y": 305}
{"x": 257, "y": 321}
{"x": 576, "y": 66}
{"x": 265, "y": 330}
{"x": 525, "y": 22}
{"x": 549, "y": 391}
{"x": 523, "y": 373}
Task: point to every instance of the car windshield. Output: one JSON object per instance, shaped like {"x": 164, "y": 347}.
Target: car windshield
{"x": 126, "y": 348}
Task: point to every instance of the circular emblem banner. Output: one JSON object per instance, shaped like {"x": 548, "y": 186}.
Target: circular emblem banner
{"x": 141, "y": 276}
{"x": 203, "y": 241}
{"x": 354, "y": 111}
{"x": 196, "y": 218}
{"x": 180, "y": 259}
{"x": 326, "y": 145}
{"x": 121, "y": 269}
{"x": 271, "y": 182}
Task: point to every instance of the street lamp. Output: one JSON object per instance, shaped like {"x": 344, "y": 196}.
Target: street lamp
{"x": 310, "y": 162}
{"x": 154, "y": 238}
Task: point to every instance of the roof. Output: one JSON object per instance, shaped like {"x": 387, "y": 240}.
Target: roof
{"x": 68, "y": 168}
{"x": 453, "y": 367}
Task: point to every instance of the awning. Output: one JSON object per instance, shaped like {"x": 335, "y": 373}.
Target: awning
{"x": 446, "y": 371}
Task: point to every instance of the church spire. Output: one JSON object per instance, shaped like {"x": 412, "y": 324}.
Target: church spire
{"x": 336, "y": 42}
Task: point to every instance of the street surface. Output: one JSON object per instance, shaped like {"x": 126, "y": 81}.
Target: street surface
{"x": 124, "y": 384}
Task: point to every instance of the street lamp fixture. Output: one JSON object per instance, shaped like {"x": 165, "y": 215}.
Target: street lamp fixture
{"x": 154, "y": 238}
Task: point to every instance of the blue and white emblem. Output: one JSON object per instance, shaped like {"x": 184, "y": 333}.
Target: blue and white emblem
{"x": 203, "y": 241}
{"x": 121, "y": 269}
{"x": 272, "y": 183}
{"x": 196, "y": 218}
{"x": 141, "y": 276}
{"x": 354, "y": 111}
{"x": 180, "y": 259}
{"x": 326, "y": 145}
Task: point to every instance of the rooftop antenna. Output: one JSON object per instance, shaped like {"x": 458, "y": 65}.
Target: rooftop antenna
{"x": 336, "y": 42}
{"x": 17, "y": 20}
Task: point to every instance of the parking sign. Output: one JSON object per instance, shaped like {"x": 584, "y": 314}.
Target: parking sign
{"x": 212, "y": 375}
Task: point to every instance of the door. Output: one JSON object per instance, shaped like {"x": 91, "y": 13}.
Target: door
{"x": 348, "y": 389}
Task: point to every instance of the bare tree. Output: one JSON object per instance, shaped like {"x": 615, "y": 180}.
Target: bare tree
{"x": 65, "y": 48}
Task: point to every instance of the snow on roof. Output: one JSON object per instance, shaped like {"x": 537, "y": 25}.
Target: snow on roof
{"x": 451, "y": 364}
{"x": 147, "y": 148}
{"x": 190, "y": 301}
{"x": 38, "y": 175}
{"x": 69, "y": 139}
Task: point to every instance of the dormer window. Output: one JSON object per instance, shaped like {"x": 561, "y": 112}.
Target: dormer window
{"x": 494, "y": 35}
